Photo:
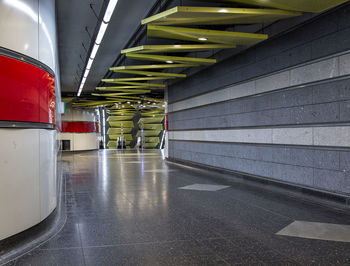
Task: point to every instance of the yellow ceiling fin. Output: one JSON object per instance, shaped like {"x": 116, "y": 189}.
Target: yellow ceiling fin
{"x": 298, "y": 5}
{"x": 194, "y": 15}
{"x": 133, "y": 79}
{"x": 176, "y": 48}
{"x": 151, "y": 73}
{"x": 159, "y": 66}
{"x": 205, "y": 36}
{"x": 170, "y": 59}
{"x": 140, "y": 84}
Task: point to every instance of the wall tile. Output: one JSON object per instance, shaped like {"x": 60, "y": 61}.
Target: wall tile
{"x": 298, "y": 136}
{"x": 332, "y": 136}
{"x": 273, "y": 82}
{"x": 314, "y": 72}
{"x": 344, "y": 64}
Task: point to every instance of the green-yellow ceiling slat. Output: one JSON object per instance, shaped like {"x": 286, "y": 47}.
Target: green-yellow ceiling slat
{"x": 172, "y": 59}
{"x": 315, "y": 6}
{"x": 140, "y": 84}
{"x": 151, "y": 73}
{"x": 176, "y": 48}
{"x": 194, "y": 15}
{"x": 122, "y": 90}
{"x": 209, "y": 36}
{"x": 159, "y": 66}
{"x": 127, "y": 87}
{"x": 133, "y": 79}
{"x": 114, "y": 94}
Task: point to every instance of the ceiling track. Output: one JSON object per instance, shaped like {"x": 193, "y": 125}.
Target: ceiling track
{"x": 138, "y": 34}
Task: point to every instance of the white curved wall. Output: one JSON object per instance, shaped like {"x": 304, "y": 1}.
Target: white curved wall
{"x": 28, "y": 178}
{"x": 28, "y": 27}
{"x": 28, "y": 157}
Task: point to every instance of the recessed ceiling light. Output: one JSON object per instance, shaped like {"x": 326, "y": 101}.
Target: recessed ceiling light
{"x": 202, "y": 39}
{"x": 169, "y": 62}
{"x": 177, "y": 45}
{"x": 223, "y": 10}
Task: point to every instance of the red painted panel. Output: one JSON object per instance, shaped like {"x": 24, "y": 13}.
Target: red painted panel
{"x": 47, "y": 97}
{"x": 79, "y": 127}
{"x": 166, "y": 122}
{"x": 27, "y": 93}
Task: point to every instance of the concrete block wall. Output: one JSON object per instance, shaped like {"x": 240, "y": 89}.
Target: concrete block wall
{"x": 279, "y": 110}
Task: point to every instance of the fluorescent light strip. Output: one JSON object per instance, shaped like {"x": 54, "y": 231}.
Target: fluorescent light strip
{"x": 101, "y": 32}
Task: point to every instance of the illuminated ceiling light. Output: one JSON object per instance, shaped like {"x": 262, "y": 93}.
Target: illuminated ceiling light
{"x": 86, "y": 73}
{"x": 223, "y": 10}
{"x": 94, "y": 51}
{"x": 177, "y": 45}
{"x": 101, "y": 32}
{"x": 202, "y": 39}
{"x": 169, "y": 61}
{"x": 109, "y": 10}
{"x": 88, "y": 66}
{"x": 128, "y": 102}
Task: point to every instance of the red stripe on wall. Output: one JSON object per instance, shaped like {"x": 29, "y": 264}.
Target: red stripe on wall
{"x": 79, "y": 127}
{"x": 27, "y": 93}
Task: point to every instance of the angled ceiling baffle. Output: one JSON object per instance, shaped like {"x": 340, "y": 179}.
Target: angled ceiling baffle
{"x": 181, "y": 37}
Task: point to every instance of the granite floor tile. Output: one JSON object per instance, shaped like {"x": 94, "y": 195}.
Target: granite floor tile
{"x": 53, "y": 257}
{"x": 136, "y": 217}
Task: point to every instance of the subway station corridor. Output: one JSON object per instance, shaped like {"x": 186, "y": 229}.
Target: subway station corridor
{"x": 174, "y": 132}
{"x": 133, "y": 208}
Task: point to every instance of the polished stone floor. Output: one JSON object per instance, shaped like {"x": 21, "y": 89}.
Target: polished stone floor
{"x": 137, "y": 209}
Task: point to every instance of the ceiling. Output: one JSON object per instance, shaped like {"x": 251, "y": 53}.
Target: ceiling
{"x": 77, "y": 21}
{"x": 73, "y": 17}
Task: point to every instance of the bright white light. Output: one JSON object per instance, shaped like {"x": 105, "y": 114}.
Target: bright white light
{"x": 86, "y": 73}
{"x": 169, "y": 62}
{"x": 26, "y": 46}
{"x": 94, "y": 50}
{"x": 202, "y": 39}
{"x": 101, "y": 32}
{"x": 128, "y": 102}
{"x": 177, "y": 45}
{"x": 89, "y": 64}
{"x": 223, "y": 10}
{"x": 110, "y": 10}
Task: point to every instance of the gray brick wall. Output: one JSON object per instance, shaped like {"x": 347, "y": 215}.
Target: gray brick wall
{"x": 326, "y": 103}
{"x": 318, "y": 168}
{"x": 324, "y": 36}
{"x": 314, "y": 104}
